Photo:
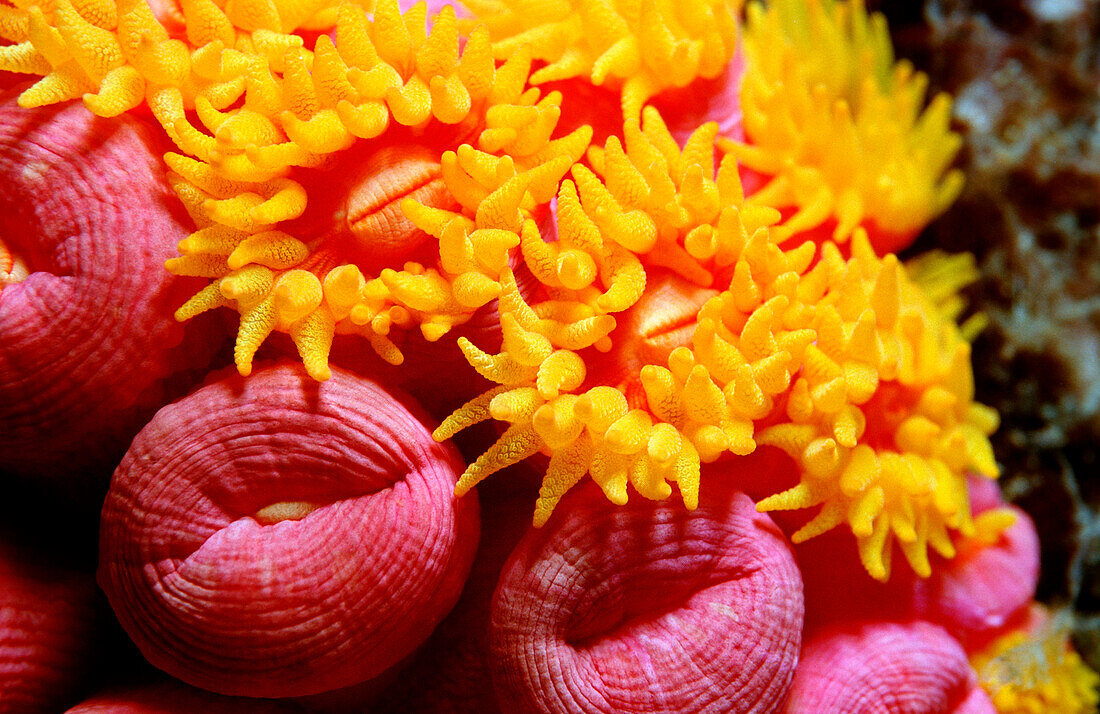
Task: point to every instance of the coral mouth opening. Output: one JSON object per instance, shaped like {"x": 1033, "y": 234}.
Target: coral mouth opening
{"x": 14, "y": 267}
{"x": 356, "y": 217}
{"x": 647, "y": 333}
{"x": 890, "y": 406}
{"x": 284, "y": 511}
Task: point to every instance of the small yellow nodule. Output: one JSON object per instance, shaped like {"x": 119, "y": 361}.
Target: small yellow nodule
{"x": 284, "y": 511}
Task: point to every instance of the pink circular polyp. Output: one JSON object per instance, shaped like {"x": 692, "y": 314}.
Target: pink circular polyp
{"x": 274, "y": 536}
{"x": 648, "y": 608}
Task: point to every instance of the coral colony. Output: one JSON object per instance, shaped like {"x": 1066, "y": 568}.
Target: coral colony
{"x": 667, "y": 299}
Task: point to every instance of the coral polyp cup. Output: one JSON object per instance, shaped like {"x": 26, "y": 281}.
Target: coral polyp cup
{"x": 902, "y": 668}
{"x": 278, "y": 537}
{"x": 87, "y": 338}
{"x": 648, "y": 608}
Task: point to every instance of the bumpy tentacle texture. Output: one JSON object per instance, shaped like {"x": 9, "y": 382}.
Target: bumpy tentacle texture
{"x": 881, "y": 416}
{"x": 838, "y": 127}
{"x": 267, "y": 107}
{"x": 844, "y": 364}
{"x": 640, "y": 46}
{"x": 667, "y": 204}
{"x": 1038, "y": 671}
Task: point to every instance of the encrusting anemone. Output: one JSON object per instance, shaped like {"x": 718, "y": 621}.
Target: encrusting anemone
{"x": 765, "y": 338}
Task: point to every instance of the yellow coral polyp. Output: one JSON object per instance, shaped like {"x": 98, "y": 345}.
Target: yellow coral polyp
{"x": 642, "y": 47}
{"x": 881, "y": 417}
{"x": 701, "y": 400}
{"x": 844, "y": 364}
{"x": 838, "y": 128}
{"x": 248, "y": 105}
{"x": 1039, "y": 671}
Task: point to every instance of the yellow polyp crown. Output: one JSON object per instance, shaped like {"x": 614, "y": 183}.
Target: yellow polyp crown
{"x": 1039, "y": 671}
{"x": 641, "y": 47}
{"x": 699, "y": 401}
{"x": 881, "y": 416}
{"x": 838, "y": 129}
{"x": 246, "y": 103}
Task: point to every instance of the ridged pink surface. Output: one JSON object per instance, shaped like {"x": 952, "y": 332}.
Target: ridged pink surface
{"x": 89, "y": 336}
{"x": 218, "y": 600}
{"x": 455, "y": 660}
{"x": 884, "y": 668}
{"x": 647, "y": 607}
{"x": 46, "y": 628}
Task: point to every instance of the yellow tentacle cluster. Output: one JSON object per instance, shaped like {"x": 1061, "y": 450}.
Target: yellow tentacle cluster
{"x": 376, "y": 70}
{"x": 640, "y": 46}
{"x": 838, "y": 127}
{"x": 1038, "y": 671}
{"x": 881, "y": 417}
{"x": 245, "y": 103}
{"x": 843, "y": 364}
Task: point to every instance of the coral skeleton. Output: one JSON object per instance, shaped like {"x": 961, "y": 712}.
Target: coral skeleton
{"x": 451, "y": 177}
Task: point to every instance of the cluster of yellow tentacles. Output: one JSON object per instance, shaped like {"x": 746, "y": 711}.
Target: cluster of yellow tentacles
{"x": 267, "y": 105}
{"x": 1038, "y": 671}
{"x": 837, "y": 126}
{"x": 640, "y": 46}
{"x": 852, "y": 370}
{"x": 845, "y": 364}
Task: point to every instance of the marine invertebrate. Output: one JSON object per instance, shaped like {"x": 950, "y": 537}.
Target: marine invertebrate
{"x": 75, "y": 385}
{"x": 1035, "y": 668}
{"x": 604, "y": 610}
{"x": 844, "y": 363}
{"x": 912, "y": 667}
{"x": 838, "y": 361}
{"x": 836, "y": 132}
{"x": 46, "y": 629}
{"x": 368, "y": 265}
{"x": 640, "y": 48}
{"x": 986, "y": 587}
{"x": 274, "y": 110}
{"x": 279, "y": 537}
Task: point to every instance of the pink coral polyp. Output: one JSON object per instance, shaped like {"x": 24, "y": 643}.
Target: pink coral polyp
{"x": 279, "y": 537}
{"x": 648, "y": 608}
{"x": 87, "y": 212}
